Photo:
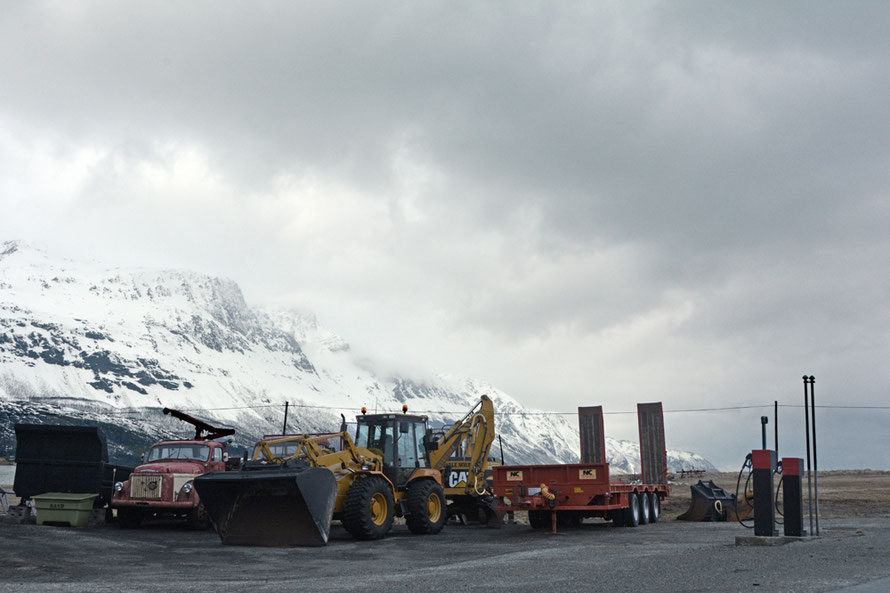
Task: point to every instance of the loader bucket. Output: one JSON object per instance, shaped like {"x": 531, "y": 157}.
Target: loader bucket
{"x": 709, "y": 502}
{"x": 270, "y": 507}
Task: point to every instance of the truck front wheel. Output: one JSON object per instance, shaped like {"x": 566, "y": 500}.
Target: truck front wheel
{"x": 129, "y": 518}
{"x": 198, "y": 518}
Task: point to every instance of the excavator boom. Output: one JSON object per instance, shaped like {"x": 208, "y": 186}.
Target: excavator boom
{"x": 465, "y": 448}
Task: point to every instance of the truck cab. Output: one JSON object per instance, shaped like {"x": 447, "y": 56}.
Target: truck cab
{"x": 162, "y": 485}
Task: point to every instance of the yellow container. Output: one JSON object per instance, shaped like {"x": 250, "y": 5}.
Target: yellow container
{"x": 63, "y": 507}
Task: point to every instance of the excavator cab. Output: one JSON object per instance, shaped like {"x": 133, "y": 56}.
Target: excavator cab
{"x": 400, "y": 439}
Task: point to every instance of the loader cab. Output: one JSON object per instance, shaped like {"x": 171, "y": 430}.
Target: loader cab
{"x": 399, "y": 438}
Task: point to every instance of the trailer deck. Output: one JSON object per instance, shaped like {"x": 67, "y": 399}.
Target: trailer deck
{"x": 567, "y": 493}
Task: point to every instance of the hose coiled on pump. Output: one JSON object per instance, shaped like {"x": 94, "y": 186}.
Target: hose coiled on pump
{"x": 738, "y": 515}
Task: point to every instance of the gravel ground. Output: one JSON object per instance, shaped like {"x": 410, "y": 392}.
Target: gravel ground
{"x": 668, "y": 556}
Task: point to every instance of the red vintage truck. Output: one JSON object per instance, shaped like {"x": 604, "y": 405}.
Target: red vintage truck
{"x": 162, "y": 485}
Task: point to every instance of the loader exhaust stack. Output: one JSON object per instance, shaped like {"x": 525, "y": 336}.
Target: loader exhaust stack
{"x": 278, "y": 506}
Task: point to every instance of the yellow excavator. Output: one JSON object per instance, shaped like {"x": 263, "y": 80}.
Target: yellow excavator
{"x": 396, "y": 466}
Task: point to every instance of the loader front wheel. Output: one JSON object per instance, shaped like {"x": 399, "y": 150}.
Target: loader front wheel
{"x": 426, "y": 507}
{"x": 368, "y": 509}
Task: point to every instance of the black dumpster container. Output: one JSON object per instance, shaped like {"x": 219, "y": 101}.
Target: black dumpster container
{"x": 52, "y": 458}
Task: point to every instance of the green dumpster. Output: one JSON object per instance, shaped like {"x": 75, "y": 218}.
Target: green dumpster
{"x": 63, "y": 507}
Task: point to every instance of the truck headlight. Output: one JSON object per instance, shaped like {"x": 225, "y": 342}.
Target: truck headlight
{"x": 118, "y": 486}
{"x": 187, "y": 488}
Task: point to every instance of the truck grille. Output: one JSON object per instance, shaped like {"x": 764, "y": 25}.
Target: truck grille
{"x": 146, "y": 486}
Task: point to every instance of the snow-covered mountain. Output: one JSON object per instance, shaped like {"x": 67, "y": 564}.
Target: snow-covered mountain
{"x": 80, "y": 342}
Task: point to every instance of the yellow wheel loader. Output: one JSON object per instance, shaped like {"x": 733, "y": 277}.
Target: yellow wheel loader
{"x": 393, "y": 468}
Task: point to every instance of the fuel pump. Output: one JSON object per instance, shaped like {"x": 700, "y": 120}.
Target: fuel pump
{"x": 792, "y": 496}
{"x": 763, "y": 467}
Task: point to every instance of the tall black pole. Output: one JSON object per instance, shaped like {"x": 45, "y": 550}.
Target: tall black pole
{"x": 815, "y": 457}
{"x": 806, "y": 413}
{"x": 284, "y": 428}
{"x": 776, "y": 426}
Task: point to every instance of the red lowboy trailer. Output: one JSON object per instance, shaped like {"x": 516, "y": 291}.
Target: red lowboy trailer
{"x": 564, "y": 494}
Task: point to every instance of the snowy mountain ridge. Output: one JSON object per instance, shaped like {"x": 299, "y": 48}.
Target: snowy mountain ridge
{"x": 82, "y": 341}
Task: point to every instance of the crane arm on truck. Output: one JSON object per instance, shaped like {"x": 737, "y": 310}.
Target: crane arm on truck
{"x": 203, "y": 431}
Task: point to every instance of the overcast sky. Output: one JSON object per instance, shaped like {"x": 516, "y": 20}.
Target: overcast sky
{"x": 582, "y": 203}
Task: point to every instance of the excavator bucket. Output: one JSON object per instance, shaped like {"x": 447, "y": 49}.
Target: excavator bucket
{"x": 280, "y": 506}
{"x": 709, "y": 502}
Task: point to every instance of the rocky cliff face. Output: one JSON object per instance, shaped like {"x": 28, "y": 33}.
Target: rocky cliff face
{"x": 82, "y": 343}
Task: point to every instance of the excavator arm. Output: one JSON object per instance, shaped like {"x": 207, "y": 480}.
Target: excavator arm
{"x": 472, "y": 438}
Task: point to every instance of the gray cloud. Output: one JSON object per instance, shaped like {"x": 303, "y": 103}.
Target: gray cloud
{"x": 577, "y": 202}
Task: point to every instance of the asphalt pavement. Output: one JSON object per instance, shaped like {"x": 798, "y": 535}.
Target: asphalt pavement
{"x": 668, "y": 556}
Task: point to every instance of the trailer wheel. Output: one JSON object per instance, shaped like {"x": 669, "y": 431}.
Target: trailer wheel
{"x": 128, "y": 518}
{"x": 426, "y": 507}
{"x": 655, "y": 512}
{"x": 368, "y": 509}
{"x": 632, "y": 512}
{"x": 539, "y": 519}
{"x": 568, "y": 518}
{"x": 644, "y": 508}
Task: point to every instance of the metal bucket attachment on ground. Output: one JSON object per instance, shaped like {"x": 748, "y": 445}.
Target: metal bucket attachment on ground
{"x": 489, "y": 514}
{"x": 475, "y": 510}
{"x": 270, "y": 507}
{"x": 709, "y": 502}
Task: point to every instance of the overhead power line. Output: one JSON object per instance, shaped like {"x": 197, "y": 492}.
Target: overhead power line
{"x": 520, "y": 413}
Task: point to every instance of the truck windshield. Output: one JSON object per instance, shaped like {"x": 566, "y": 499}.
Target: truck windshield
{"x": 185, "y": 451}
